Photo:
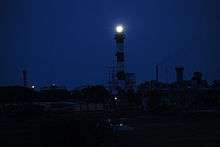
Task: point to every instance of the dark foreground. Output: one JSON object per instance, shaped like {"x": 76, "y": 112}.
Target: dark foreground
{"x": 200, "y": 129}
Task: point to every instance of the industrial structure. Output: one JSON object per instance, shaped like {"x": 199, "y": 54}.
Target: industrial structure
{"x": 24, "y": 78}
{"x": 157, "y": 73}
{"x": 179, "y": 74}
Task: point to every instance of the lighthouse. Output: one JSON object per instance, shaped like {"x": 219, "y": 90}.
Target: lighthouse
{"x": 120, "y": 57}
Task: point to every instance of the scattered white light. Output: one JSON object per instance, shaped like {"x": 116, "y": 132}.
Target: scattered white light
{"x": 33, "y": 86}
{"x": 116, "y": 98}
{"x": 119, "y": 29}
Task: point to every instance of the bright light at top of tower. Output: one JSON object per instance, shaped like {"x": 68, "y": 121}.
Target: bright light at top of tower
{"x": 119, "y": 29}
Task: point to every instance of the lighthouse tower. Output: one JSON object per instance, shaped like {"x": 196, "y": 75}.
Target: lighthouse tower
{"x": 120, "y": 57}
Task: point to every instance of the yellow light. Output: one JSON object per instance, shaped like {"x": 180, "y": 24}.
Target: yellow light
{"x": 119, "y": 29}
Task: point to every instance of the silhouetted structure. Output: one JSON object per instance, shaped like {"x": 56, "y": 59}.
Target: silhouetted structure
{"x": 96, "y": 93}
{"x": 179, "y": 74}
{"x": 111, "y": 79}
{"x": 17, "y": 94}
{"x": 197, "y": 80}
{"x": 216, "y": 84}
{"x": 118, "y": 78}
{"x": 157, "y": 73}
{"x": 54, "y": 93}
{"x": 130, "y": 81}
{"x": 24, "y": 78}
{"x": 120, "y": 58}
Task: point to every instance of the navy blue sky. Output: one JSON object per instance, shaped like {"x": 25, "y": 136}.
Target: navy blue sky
{"x": 70, "y": 42}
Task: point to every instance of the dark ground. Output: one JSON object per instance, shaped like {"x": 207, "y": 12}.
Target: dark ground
{"x": 188, "y": 130}
{"x": 150, "y": 130}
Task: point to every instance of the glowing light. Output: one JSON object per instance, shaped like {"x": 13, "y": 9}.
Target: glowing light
{"x": 119, "y": 29}
{"x": 33, "y": 86}
{"x": 116, "y": 98}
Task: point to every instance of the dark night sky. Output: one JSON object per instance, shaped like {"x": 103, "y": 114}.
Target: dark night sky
{"x": 70, "y": 42}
